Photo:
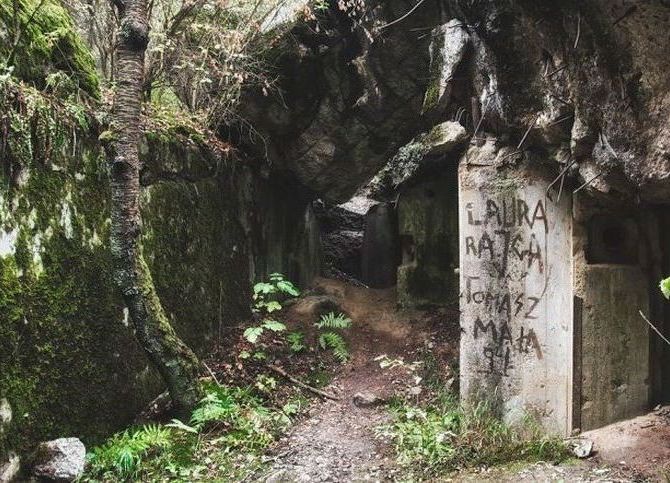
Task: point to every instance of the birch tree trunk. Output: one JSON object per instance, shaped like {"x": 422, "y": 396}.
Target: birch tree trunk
{"x": 175, "y": 361}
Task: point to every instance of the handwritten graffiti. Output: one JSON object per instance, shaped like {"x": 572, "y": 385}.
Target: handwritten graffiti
{"x": 503, "y": 245}
{"x": 508, "y": 234}
{"x": 501, "y": 344}
{"x": 504, "y": 304}
{"x": 508, "y": 213}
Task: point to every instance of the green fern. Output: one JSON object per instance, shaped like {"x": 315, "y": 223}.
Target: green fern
{"x": 296, "y": 341}
{"x": 332, "y": 321}
{"x": 335, "y": 342}
{"x": 124, "y": 452}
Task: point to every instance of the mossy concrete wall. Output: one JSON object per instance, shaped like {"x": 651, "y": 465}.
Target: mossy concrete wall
{"x": 428, "y": 230}
{"x": 69, "y": 363}
{"x": 617, "y": 264}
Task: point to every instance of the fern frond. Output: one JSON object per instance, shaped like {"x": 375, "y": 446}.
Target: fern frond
{"x": 335, "y": 342}
{"x": 332, "y": 321}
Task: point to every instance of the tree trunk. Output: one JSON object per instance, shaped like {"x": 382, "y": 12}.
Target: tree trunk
{"x": 176, "y": 363}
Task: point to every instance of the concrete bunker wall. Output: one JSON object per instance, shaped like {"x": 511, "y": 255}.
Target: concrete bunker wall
{"x": 516, "y": 305}
{"x": 550, "y": 298}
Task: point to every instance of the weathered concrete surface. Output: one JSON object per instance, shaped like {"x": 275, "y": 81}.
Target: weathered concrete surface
{"x": 428, "y": 229}
{"x": 516, "y": 298}
{"x": 615, "y": 345}
{"x": 380, "y": 251}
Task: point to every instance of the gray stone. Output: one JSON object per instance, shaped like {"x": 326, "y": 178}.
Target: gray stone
{"x": 367, "y": 400}
{"x": 428, "y": 232}
{"x": 5, "y": 414}
{"x": 427, "y": 149}
{"x": 62, "y": 459}
{"x": 518, "y": 357}
{"x": 447, "y": 50}
{"x": 10, "y": 468}
{"x": 615, "y": 344}
{"x": 582, "y": 448}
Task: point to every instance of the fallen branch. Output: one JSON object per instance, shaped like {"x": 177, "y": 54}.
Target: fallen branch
{"x": 655, "y": 329}
{"x": 297, "y": 382}
{"x": 418, "y": 4}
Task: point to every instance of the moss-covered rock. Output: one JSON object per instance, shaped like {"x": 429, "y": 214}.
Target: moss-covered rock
{"x": 69, "y": 363}
{"x": 38, "y": 39}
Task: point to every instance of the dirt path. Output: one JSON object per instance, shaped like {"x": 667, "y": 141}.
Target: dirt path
{"x": 337, "y": 441}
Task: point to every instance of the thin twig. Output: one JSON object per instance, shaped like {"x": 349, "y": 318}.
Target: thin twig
{"x": 589, "y": 182}
{"x": 481, "y": 119}
{"x": 579, "y": 29}
{"x": 297, "y": 382}
{"x": 556, "y": 71}
{"x": 558, "y": 121}
{"x": 404, "y": 16}
{"x": 560, "y": 99}
{"x": 560, "y": 175}
{"x": 211, "y": 373}
{"x": 523, "y": 139}
{"x": 560, "y": 190}
{"x": 655, "y": 329}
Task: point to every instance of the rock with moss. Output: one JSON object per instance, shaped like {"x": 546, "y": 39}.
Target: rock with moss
{"x": 65, "y": 339}
{"x": 40, "y": 41}
{"x": 426, "y": 149}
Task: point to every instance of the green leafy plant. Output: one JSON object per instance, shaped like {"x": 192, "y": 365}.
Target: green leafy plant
{"x": 664, "y": 285}
{"x": 253, "y": 333}
{"x": 335, "y": 342}
{"x": 444, "y": 436}
{"x": 296, "y": 341}
{"x": 329, "y": 338}
{"x": 228, "y": 423}
{"x": 332, "y": 321}
{"x": 267, "y": 295}
{"x": 267, "y": 299}
{"x": 124, "y": 453}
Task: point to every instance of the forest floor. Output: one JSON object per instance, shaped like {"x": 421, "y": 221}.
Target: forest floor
{"x": 339, "y": 440}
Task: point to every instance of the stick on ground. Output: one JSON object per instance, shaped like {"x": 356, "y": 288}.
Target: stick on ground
{"x": 295, "y": 381}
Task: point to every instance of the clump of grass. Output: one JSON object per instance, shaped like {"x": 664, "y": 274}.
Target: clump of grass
{"x": 228, "y": 422}
{"x": 443, "y": 436}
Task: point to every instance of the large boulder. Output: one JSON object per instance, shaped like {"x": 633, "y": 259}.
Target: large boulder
{"x": 62, "y": 459}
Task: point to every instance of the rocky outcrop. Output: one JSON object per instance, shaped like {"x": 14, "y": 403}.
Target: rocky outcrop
{"x": 566, "y": 81}
{"x": 349, "y": 97}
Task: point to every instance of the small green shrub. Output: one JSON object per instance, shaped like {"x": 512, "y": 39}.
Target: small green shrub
{"x": 332, "y": 321}
{"x": 445, "y": 437}
{"x": 296, "y": 341}
{"x": 266, "y": 300}
{"x": 335, "y": 342}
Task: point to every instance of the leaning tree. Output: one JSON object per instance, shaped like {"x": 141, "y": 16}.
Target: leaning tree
{"x": 175, "y": 361}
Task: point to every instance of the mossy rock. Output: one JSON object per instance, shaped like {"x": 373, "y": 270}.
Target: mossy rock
{"x": 47, "y": 43}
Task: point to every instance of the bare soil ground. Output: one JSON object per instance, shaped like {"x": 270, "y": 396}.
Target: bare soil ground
{"x": 336, "y": 441}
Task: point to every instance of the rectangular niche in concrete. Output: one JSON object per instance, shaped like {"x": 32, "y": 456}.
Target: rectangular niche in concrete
{"x": 516, "y": 295}
{"x": 615, "y": 345}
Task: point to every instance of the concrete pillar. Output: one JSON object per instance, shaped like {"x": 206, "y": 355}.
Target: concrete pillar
{"x": 380, "y": 246}
{"x": 516, "y": 294}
